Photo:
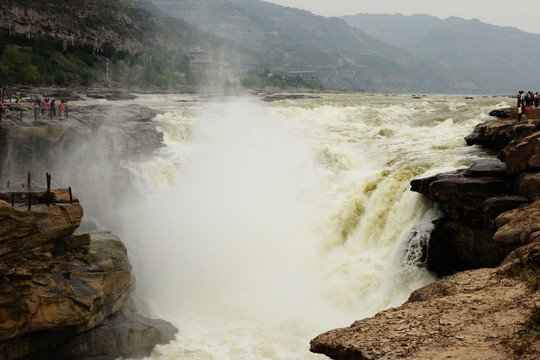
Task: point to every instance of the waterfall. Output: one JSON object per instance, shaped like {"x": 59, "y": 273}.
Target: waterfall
{"x": 269, "y": 223}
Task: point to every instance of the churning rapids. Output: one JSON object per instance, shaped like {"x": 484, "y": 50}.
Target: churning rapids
{"x": 263, "y": 224}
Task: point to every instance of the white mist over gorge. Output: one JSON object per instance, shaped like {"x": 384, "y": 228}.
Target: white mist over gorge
{"x": 261, "y": 224}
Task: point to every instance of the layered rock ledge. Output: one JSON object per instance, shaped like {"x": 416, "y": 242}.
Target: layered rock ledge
{"x": 56, "y": 284}
{"x": 114, "y": 131}
{"x": 473, "y": 198}
{"x": 492, "y": 215}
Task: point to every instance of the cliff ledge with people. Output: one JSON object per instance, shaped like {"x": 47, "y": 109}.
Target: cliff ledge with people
{"x": 67, "y": 292}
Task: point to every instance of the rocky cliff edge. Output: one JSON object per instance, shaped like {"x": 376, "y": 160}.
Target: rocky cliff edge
{"x": 63, "y": 294}
{"x": 491, "y": 224}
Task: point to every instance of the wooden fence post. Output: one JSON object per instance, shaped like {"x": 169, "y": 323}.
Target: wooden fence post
{"x": 29, "y": 201}
{"x": 48, "y": 188}
{"x": 70, "y": 196}
{"x": 29, "y": 181}
{"x": 12, "y": 199}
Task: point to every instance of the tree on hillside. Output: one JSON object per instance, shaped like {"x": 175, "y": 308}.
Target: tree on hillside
{"x": 17, "y": 67}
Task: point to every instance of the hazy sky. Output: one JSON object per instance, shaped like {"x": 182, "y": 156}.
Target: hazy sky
{"x": 520, "y": 14}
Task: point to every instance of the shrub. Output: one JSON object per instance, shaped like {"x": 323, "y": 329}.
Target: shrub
{"x": 19, "y": 67}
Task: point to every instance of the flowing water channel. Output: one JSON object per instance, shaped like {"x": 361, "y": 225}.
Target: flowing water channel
{"x": 263, "y": 224}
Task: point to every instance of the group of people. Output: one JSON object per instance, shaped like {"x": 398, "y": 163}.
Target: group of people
{"x": 45, "y": 107}
{"x": 525, "y": 100}
{"x": 41, "y": 107}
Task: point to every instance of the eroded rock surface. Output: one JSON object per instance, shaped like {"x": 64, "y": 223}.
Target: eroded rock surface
{"x": 498, "y": 133}
{"x": 55, "y": 284}
{"x": 54, "y": 280}
{"x": 105, "y": 130}
{"x": 523, "y": 155}
{"x": 471, "y": 199}
{"x": 478, "y": 314}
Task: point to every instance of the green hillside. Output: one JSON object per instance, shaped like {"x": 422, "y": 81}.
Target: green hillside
{"x": 105, "y": 42}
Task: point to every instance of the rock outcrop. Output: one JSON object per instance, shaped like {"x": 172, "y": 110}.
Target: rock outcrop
{"x": 500, "y": 113}
{"x": 496, "y": 134}
{"x": 473, "y": 198}
{"x": 63, "y": 294}
{"x": 56, "y": 284}
{"x": 523, "y": 155}
{"x": 476, "y": 314}
{"x": 492, "y": 213}
{"x": 91, "y": 25}
{"x": 109, "y": 131}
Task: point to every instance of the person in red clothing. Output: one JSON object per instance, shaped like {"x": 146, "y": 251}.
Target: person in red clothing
{"x": 62, "y": 109}
{"x": 37, "y": 110}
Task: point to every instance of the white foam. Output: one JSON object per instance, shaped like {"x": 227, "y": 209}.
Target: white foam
{"x": 290, "y": 218}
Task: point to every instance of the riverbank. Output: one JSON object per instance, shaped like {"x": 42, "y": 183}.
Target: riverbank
{"x": 491, "y": 213}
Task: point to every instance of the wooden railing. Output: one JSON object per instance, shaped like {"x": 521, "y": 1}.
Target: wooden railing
{"x": 15, "y": 190}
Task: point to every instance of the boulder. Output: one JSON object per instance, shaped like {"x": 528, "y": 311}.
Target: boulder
{"x": 21, "y": 231}
{"x": 55, "y": 295}
{"x": 522, "y": 156}
{"x": 496, "y": 134}
{"x": 519, "y": 226}
{"x": 528, "y": 185}
{"x": 503, "y": 113}
{"x": 126, "y": 334}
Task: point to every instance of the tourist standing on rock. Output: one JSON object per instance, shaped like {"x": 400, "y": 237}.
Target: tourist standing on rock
{"x": 52, "y": 110}
{"x": 19, "y": 96}
{"x": 4, "y": 94}
{"x": 37, "y": 110}
{"x": 62, "y": 109}
{"x": 529, "y": 99}
{"x": 47, "y": 106}
{"x": 519, "y": 98}
{"x": 42, "y": 105}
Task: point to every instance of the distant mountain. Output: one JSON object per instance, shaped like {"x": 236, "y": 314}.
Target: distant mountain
{"x": 300, "y": 42}
{"x": 386, "y": 53}
{"x": 501, "y": 59}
